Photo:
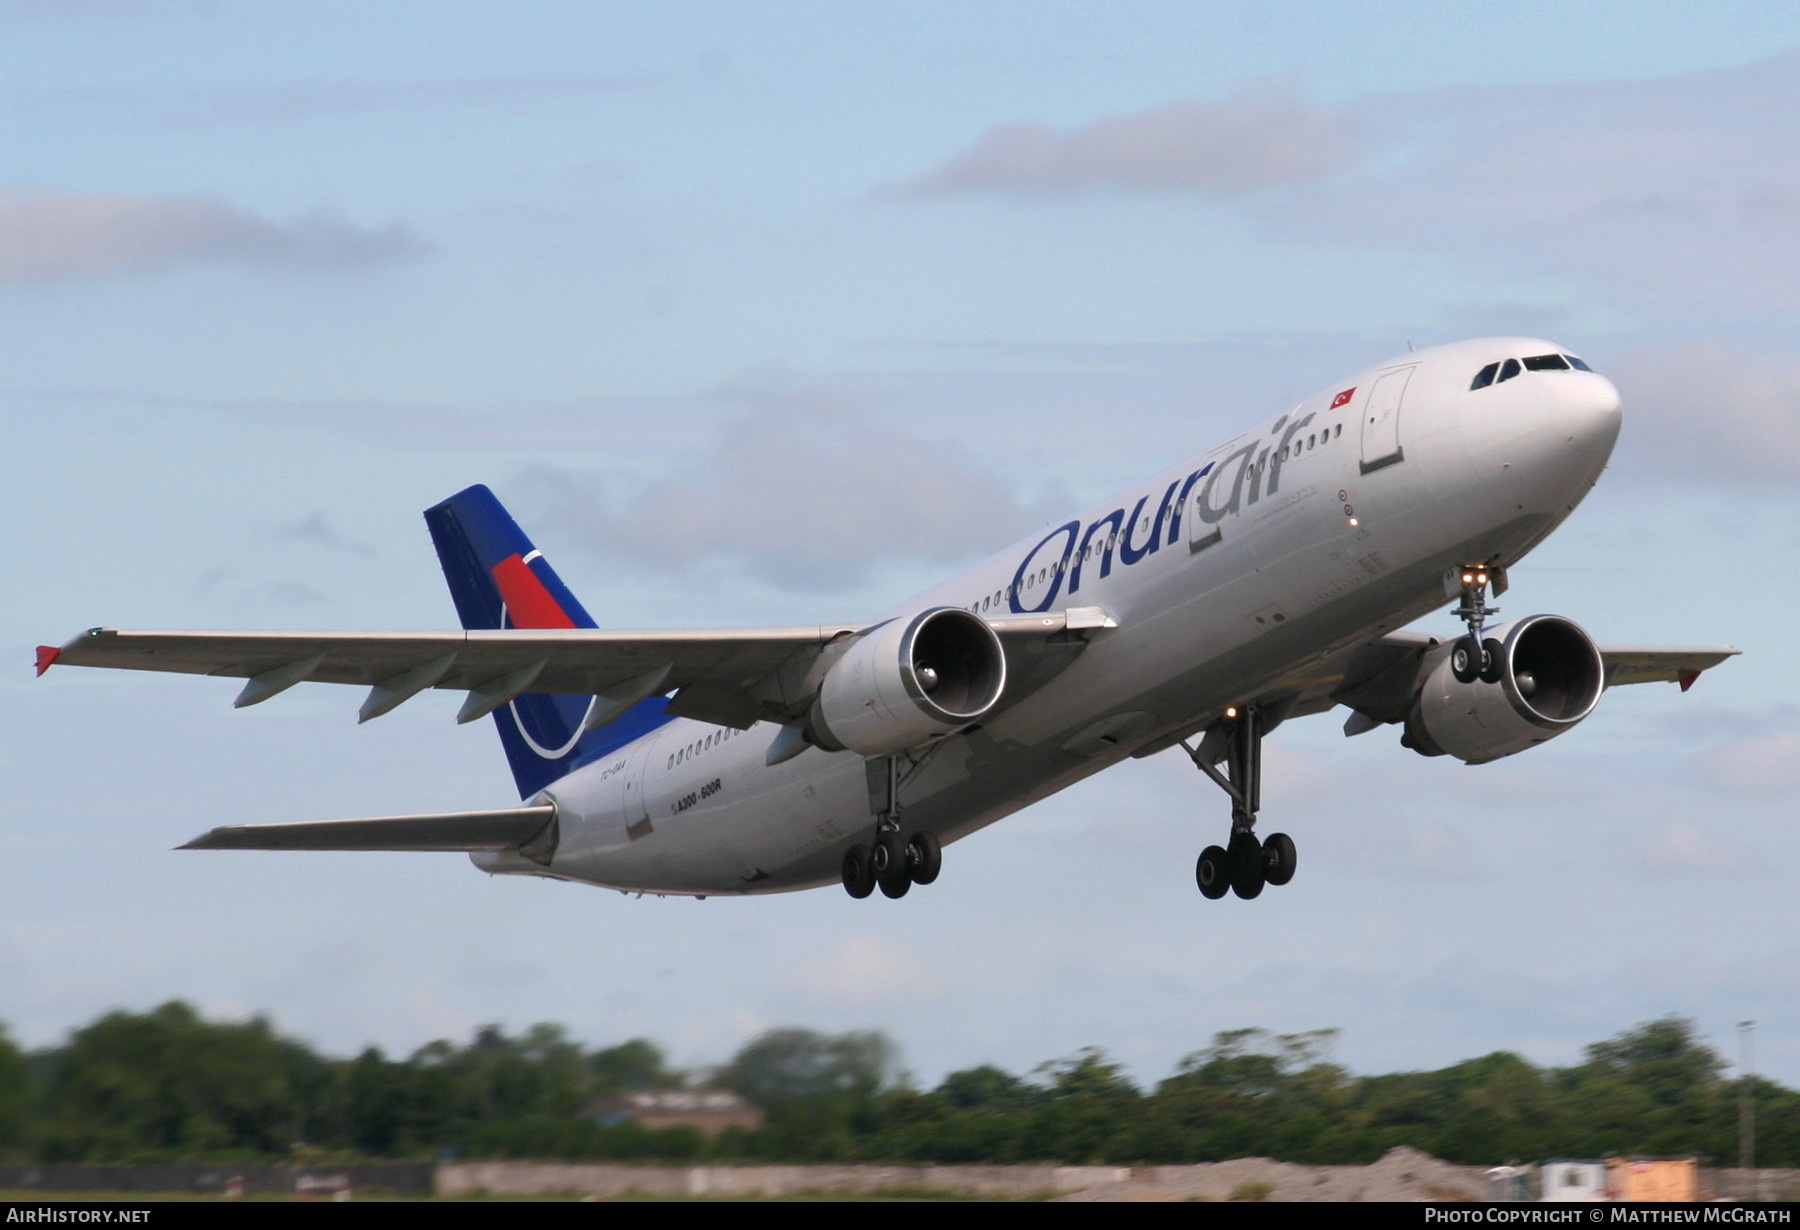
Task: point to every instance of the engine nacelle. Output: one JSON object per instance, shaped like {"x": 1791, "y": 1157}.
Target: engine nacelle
{"x": 907, "y": 682}
{"x": 1546, "y": 677}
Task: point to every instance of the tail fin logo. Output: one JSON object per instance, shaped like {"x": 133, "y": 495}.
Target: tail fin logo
{"x": 525, "y": 596}
{"x": 527, "y": 603}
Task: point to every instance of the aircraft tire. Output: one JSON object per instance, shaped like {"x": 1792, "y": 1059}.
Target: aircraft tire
{"x": 1213, "y": 872}
{"x": 1492, "y": 662}
{"x": 859, "y": 872}
{"x": 1246, "y": 856}
{"x": 924, "y": 857}
{"x": 889, "y": 859}
{"x": 1279, "y": 858}
{"x": 1465, "y": 660}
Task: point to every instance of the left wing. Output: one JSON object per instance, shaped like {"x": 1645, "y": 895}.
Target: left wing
{"x": 734, "y": 677}
{"x": 492, "y": 666}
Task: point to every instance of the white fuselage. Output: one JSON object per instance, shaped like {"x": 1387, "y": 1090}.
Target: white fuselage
{"x": 1230, "y": 577}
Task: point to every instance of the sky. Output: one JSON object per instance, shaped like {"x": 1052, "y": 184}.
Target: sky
{"x": 778, "y": 313}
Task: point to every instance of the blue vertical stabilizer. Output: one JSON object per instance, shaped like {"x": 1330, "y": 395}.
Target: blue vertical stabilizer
{"x": 499, "y": 580}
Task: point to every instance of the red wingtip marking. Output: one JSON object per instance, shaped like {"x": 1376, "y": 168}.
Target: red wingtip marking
{"x": 47, "y": 656}
{"x": 1687, "y": 678}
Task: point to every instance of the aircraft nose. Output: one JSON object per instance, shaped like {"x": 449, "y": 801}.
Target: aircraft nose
{"x": 1550, "y": 442}
{"x": 1591, "y": 409}
{"x": 1584, "y": 424}
{"x": 1576, "y": 424}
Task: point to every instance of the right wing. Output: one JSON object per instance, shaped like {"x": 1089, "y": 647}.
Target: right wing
{"x": 1380, "y": 680}
{"x": 1683, "y": 666}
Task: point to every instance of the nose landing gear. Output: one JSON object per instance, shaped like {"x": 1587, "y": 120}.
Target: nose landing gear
{"x": 1244, "y": 864}
{"x": 1474, "y": 657}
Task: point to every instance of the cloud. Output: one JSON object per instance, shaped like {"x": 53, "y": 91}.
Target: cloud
{"x": 313, "y": 99}
{"x": 1680, "y": 848}
{"x": 251, "y": 592}
{"x": 1680, "y": 195}
{"x": 50, "y": 236}
{"x": 808, "y": 491}
{"x": 1711, "y": 407}
{"x": 1263, "y": 135}
{"x": 1766, "y": 765}
{"x": 864, "y": 969}
{"x": 316, "y": 530}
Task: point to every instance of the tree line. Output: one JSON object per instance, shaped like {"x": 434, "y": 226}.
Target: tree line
{"x": 167, "y": 1085}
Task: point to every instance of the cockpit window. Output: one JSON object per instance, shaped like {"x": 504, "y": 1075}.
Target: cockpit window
{"x": 1546, "y": 363}
{"x": 1577, "y": 364}
{"x": 1485, "y": 376}
{"x": 1508, "y": 371}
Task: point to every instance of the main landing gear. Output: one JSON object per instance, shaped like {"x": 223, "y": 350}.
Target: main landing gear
{"x": 1244, "y": 864}
{"x": 889, "y": 862}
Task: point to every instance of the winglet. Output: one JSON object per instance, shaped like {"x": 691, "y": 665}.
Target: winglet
{"x": 46, "y": 658}
{"x": 1685, "y": 678}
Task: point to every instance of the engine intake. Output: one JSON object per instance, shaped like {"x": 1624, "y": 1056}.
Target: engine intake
{"x": 907, "y": 682}
{"x": 1547, "y": 675}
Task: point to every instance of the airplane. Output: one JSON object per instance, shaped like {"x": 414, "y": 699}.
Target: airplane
{"x": 1269, "y": 578}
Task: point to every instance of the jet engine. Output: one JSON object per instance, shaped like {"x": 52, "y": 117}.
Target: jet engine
{"x": 907, "y": 682}
{"x": 1543, "y": 674}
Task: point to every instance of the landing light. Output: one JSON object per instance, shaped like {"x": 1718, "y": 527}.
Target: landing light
{"x": 1231, "y": 712}
{"x": 1354, "y": 521}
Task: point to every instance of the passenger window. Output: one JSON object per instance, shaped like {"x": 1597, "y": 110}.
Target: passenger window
{"x": 1509, "y": 371}
{"x": 1546, "y": 363}
{"x": 1484, "y": 377}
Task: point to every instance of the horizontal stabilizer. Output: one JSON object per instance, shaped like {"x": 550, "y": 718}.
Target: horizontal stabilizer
{"x": 504, "y": 829}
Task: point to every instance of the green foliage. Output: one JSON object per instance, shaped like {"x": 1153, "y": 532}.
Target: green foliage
{"x": 17, "y": 1101}
{"x": 1087, "y": 1074}
{"x": 166, "y": 1084}
{"x": 794, "y": 1065}
{"x": 986, "y": 1086}
{"x": 635, "y": 1065}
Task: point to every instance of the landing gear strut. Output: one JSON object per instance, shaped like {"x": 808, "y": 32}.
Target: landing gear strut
{"x": 890, "y": 862}
{"x": 1244, "y": 864}
{"x": 1473, "y": 657}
